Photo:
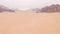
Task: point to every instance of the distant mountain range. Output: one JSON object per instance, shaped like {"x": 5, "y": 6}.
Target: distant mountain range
{"x": 47, "y": 9}
{"x": 51, "y": 8}
{"x": 5, "y": 9}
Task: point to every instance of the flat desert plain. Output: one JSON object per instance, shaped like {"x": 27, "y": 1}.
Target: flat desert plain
{"x": 29, "y": 23}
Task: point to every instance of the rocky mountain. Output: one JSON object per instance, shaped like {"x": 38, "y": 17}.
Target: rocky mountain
{"x": 51, "y": 8}
{"x": 5, "y": 9}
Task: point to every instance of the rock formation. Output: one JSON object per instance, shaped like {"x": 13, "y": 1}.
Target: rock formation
{"x": 51, "y": 9}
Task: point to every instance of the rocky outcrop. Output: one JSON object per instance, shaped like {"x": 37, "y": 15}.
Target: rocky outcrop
{"x": 51, "y": 9}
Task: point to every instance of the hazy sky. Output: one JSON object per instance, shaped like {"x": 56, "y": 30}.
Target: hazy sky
{"x": 24, "y": 4}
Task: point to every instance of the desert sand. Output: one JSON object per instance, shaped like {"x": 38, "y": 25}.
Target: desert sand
{"x": 29, "y": 23}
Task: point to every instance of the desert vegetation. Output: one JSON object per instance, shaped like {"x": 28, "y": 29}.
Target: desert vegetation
{"x": 5, "y": 9}
{"x": 50, "y": 9}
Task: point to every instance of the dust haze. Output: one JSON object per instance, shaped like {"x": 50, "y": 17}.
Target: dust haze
{"x": 29, "y": 17}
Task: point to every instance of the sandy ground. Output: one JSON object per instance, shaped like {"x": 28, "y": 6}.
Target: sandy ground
{"x": 29, "y": 23}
